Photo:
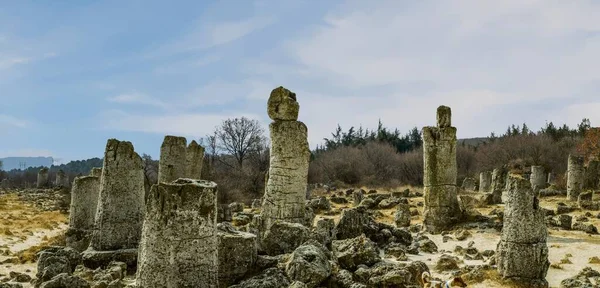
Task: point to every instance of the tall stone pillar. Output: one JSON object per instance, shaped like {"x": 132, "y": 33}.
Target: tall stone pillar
{"x": 82, "y": 215}
{"x": 172, "y": 164}
{"x": 439, "y": 152}
{"x": 575, "y": 177}
{"x": 288, "y": 171}
{"x": 62, "y": 180}
{"x": 592, "y": 175}
{"x": 498, "y": 184}
{"x": 538, "y": 178}
{"x": 179, "y": 243}
{"x": 485, "y": 181}
{"x": 42, "y": 178}
{"x": 194, "y": 158}
{"x": 120, "y": 211}
{"x": 522, "y": 253}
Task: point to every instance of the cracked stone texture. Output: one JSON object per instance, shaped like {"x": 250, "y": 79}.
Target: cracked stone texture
{"x": 62, "y": 180}
{"x": 172, "y": 164}
{"x": 42, "y": 178}
{"x": 538, "y": 178}
{"x": 285, "y": 193}
{"x": 96, "y": 171}
{"x": 282, "y": 105}
{"x": 592, "y": 175}
{"x": 522, "y": 253}
{"x": 237, "y": 253}
{"x": 575, "y": 177}
{"x": 442, "y": 209}
{"x": 469, "y": 184}
{"x": 121, "y": 202}
{"x": 498, "y": 184}
{"x": 82, "y": 213}
{"x": 179, "y": 244}
{"x": 485, "y": 181}
{"x": 194, "y": 158}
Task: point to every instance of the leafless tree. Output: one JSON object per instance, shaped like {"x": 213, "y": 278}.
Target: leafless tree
{"x": 150, "y": 171}
{"x": 239, "y": 137}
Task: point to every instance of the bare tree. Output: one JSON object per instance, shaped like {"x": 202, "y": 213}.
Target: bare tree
{"x": 150, "y": 171}
{"x": 239, "y": 137}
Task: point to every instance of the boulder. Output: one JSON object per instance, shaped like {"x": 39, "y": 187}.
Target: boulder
{"x": 284, "y": 237}
{"x": 237, "y": 253}
{"x": 351, "y": 253}
{"x": 309, "y": 265}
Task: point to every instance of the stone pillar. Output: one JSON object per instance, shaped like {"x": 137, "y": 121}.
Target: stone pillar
{"x": 575, "y": 177}
{"x": 551, "y": 178}
{"x": 522, "y": 253}
{"x": 82, "y": 215}
{"x": 62, "y": 180}
{"x": 469, "y": 184}
{"x": 592, "y": 175}
{"x": 96, "y": 172}
{"x": 172, "y": 164}
{"x": 442, "y": 209}
{"x": 194, "y": 158}
{"x": 179, "y": 243}
{"x": 120, "y": 209}
{"x": 537, "y": 178}
{"x": 498, "y": 184}
{"x": 288, "y": 171}
{"x": 485, "y": 181}
{"x": 42, "y": 178}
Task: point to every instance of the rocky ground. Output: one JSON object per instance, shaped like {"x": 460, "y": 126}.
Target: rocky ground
{"x": 31, "y": 220}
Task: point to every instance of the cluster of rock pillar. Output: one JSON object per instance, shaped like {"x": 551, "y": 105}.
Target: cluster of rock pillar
{"x": 522, "y": 253}
{"x": 120, "y": 208}
{"x": 439, "y": 148}
{"x": 285, "y": 191}
{"x": 179, "y": 242}
{"x": 177, "y": 160}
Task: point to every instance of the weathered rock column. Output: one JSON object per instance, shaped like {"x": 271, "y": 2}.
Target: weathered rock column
{"x": 194, "y": 158}
{"x": 498, "y": 184}
{"x": 62, "y": 180}
{"x": 575, "y": 177}
{"x": 592, "y": 175}
{"x": 179, "y": 240}
{"x": 522, "y": 253}
{"x": 485, "y": 181}
{"x": 538, "y": 178}
{"x": 288, "y": 171}
{"x": 442, "y": 209}
{"x": 120, "y": 209}
{"x": 172, "y": 164}
{"x": 469, "y": 184}
{"x": 82, "y": 215}
{"x": 42, "y": 178}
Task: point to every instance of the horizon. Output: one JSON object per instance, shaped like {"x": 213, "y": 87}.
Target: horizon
{"x": 77, "y": 74}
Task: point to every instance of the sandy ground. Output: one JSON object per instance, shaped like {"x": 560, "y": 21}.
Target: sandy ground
{"x": 24, "y": 230}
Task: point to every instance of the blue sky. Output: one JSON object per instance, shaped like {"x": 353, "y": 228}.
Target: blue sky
{"x": 75, "y": 74}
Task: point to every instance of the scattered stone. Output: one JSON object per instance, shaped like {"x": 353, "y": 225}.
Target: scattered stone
{"x": 351, "y": 253}
{"x": 469, "y": 184}
{"x": 284, "y": 237}
{"x": 446, "y": 263}
{"x": 309, "y": 264}
{"x": 462, "y": 235}
{"x": 237, "y": 253}
{"x": 270, "y": 278}
{"x": 402, "y": 216}
{"x": 565, "y": 221}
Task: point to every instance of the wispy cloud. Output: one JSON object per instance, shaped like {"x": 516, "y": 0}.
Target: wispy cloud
{"x": 139, "y": 99}
{"x": 8, "y": 62}
{"x": 11, "y": 121}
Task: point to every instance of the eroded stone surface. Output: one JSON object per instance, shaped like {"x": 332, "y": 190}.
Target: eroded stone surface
{"x": 42, "y": 178}
{"x": 538, "y": 178}
{"x": 522, "y": 253}
{"x": 282, "y": 105}
{"x": 575, "y": 177}
{"x": 592, "y": 175}
{"x": 194, "y": 158}
{"x": 96, "y": 171}
{"x": 62, "y": 179}
{"x": 469, "y": 184}
{"x": 237, "y": 253}
{"x": 179, "y": 239}
{"x": 498, "y": 184}
{"x": 121, "y": 204}
{"x": 172, "y": 164}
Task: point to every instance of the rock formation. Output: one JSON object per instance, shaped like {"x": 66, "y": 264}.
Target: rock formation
{"x": 179, "y": 240}
{"x": 96, "y": 171}
{"x": 42, "y": 178}
{"x": 439, "y": 151}
{"x": 469, "y": 184}
{"x": 82, "y": 215}
{"x": 288, "y": 171}
{"x": 592, "y": 175}
{"x": 538, "y": 178}
{"x": 178, "y": 160}
{"x": 485, "y": 181}
{"x": 120, "y": 210}
{"x": 62, "y": 180}
{"x": 575, "y": 177}
{"x": 498, "y": 184}
{"x": 522, "y": 253}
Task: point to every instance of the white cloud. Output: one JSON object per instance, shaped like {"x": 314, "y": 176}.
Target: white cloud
{"x": 137, "y": 98}
{"x": 8, "y": 62}
{"x": 11, "y": 121}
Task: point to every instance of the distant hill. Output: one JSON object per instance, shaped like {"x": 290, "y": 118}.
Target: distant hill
{"x": 474, "y": 141}
{"x": 10, "y": 163}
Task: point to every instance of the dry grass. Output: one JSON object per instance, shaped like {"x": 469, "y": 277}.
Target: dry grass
{"x": 30, "y": 255}
{"x": 21, "y": 219}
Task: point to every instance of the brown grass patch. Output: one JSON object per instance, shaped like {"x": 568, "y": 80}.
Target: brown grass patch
{"x": 30, "y": 255}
